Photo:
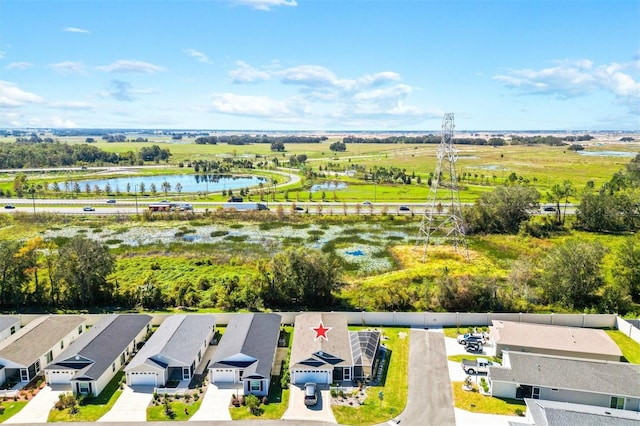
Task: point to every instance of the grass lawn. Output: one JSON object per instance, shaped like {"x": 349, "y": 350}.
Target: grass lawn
{"x": 10, "y": 408}
{"x": 94, "y": 407}
{"x": 453, "y": 332}
{"x": 156, "y": 413}
{"x": 459, "y": 358}
{"x": 278, "y": 403}
{"x": 475, "y": 402}
{"x": 630, "y": 349}
{"x": 395, "y": 388}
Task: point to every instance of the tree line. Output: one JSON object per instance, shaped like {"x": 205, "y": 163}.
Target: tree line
{"x": 250, "y": 139}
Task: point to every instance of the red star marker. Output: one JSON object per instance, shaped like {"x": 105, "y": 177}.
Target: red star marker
{"x": 321, "y": 331}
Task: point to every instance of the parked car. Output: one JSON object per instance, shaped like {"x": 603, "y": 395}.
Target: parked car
{"x": 111, "y": 201}
{"x": 88, "y": 209}
{"x": 475, "y": 347}
{"x": 464, "y": 339}
{"x": 9, "y": 206}
{"x": 478, "y": 365}
{"x": 310, "y": 394}
{"x": 404, "y": 209}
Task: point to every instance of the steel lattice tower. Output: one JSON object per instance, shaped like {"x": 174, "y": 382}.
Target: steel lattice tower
{"x": 442, "y": 217}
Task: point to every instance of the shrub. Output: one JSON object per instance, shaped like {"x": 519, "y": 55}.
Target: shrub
{"x": 1, "y": 410}
{"x": 519, "y": 412}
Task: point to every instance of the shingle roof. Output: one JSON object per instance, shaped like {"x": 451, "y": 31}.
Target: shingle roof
{"x": 554, "y": 337}
{"x": 254, "y": 335}
{"x": 306, "y": 346}
{"x": 176, "y": 342}
{"x": 604, "y": 377}
{"x": 554, "y": 413}
{"x": 37, "y": 338}
{"x": 101, "y": 345}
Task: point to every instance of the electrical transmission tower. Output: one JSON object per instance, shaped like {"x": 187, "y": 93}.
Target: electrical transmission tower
{"x": 442, "y": 219}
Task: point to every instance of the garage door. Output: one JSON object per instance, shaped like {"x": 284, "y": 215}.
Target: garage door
{"x": 223, "y": 376}
{"x": 59, "y": 377}
{"x": 302, "y": 376}
{"x": 142, "y": 379}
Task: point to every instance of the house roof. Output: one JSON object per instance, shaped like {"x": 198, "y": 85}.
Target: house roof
{"x": 249, "y": 341}
{"x": 7, "y": 321}
{"x": 554, "y": 413}
{"x": 96, "y": 349}
{"x": 554, "y": 337}
{"x": 37, "y": 338}
{"x": 364, "y": 345}
{"x": 176, "y": 342}
{"x": 310, "y": 350}
{"x": 595, "y": 376}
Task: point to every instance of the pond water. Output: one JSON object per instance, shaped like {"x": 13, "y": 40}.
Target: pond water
{"x": 189, "y": 183}
{"x": 608, "y": 153}
{"x": 328, "y": 186}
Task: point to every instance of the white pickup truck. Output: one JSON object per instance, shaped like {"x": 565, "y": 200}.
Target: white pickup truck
{"x": 478, "y": 365}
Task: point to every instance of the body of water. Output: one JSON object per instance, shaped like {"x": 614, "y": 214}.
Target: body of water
{"x": 608, "y": 153}
{"x": 329, "y": 186}
{"x": 189, "y": 183}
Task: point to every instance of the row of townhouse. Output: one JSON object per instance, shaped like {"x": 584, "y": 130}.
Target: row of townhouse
{"x": 68, "y": 352}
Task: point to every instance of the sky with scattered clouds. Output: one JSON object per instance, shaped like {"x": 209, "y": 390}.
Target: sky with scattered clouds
{"x": 569, "y": 65}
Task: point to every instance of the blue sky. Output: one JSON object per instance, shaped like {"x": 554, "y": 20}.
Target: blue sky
{"x": 320, "y": 64}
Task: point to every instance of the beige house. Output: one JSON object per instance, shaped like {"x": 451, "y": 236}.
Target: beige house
{"x": 554, "y": 340}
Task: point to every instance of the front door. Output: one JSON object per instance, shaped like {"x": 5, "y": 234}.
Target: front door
{"x": 347, "y": 374}
{"x": 186, "y": 374}
{"x": 24, "y": 375}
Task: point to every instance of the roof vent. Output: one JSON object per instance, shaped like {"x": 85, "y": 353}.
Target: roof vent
{"x": 608, "y": 413}
{"x": 77, "y": 357}
{"x": 321, "y": 353}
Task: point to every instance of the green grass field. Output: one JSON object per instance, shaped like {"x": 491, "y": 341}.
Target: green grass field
{"x": 475, "y": 402}
{"x": 630, "y": 348}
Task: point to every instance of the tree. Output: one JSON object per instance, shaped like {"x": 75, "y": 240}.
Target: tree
{"x": 572, "y": 273}
{"x": 84, "y": 265}
{"x": 277, "y": 146}
{"x": 605, "y": 211}
{"x": 166, "y": 187}
{"x": 627, "y": 267}
{"x": 178, "y": 188}
{"x": 29, "y": 253}
{"x": 12, "y": 275}
{"x": 338, "y": 147}
{"x": 502, "y": 210}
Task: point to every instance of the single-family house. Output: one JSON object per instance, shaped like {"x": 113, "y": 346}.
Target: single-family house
{"x": 246, "y": 352}
{"x": 94, "y": 358}
{"x": 24, "y": 354}
{"x": 9, "y": 325}
{"x": 553, "y": 340}
{"x": 324, "y": 351}
{"x": 553, "y": 413}
{"x": 173, "y": 352}
{"x": 575, "y": 380}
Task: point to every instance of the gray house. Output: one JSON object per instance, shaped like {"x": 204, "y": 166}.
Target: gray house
{"x": 9, "y": 325}
{"x": 553, "y": 413}
{"x": 24, "y": 354}
{"x": 579, "y": 381}
{"x": 553, "y": 340}
{"x": 246, "y": 352}
{"x": 173, "y": 352}
{"x": 96, "y": 356}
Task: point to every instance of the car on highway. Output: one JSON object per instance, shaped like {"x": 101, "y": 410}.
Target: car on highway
{"x": 310, "y": 394}
{"x": 366, "y": 203}
{"x": 299, "y": 209}
{"x": 9, "y": 206}
{"x": 548, "y": 209}
{"x": 111, "y": 201}
{"x": 88, "y": 209}
{"x": 404, "y": 209}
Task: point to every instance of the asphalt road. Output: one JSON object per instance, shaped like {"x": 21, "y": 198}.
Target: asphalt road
{"x": 430, "y": 401}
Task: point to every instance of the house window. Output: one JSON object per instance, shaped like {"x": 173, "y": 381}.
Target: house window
{"x": 79, "y": 329}
{"x": 13, "y": 330}
{"x": 122, "y": 359}
{"x": 49, "y": 357}
{"x": 255, "y": 386}
{"x": 113, "y": 367}
{"x": 199, "y": 356}
{"x": 83, "y": 388}
{"x": 240, "y": 373}
{"x": 617, "y": 402}
{"x": 61, "y": 344}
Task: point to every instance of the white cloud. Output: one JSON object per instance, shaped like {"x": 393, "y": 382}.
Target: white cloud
{"x": 201, "y": 57}
{"x": 76, "y": 30}
{"x": 71, "y": 105}
{"x": 254, "y": 106}
{"x": 12, "y": 97}
{"x": 19, "y": 65}
{"x": 61, "y": 122}
{"x": 133, "y": 67}
{"x": 68, "y": 67}
{"x": 308, "y": 75}
{"x": 245, "y": 73}
{"x": 384, "y": 94}
{"x": 265, "y": 4}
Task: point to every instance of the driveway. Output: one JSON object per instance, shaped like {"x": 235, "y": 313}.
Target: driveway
{"x": 37, "y": 410}
{"x": 321, "y": 412}
{"x": 131, "y": 406}
{"x": 215, "y": 403}
{"x": 430, "y": 401}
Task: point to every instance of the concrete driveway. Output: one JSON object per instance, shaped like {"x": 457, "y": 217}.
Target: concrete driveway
{"x": 321, "y": 412}
{"x": 37, "y": 410}
{"x": 215, "y": 403}
{"x": 131, "y": 406}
